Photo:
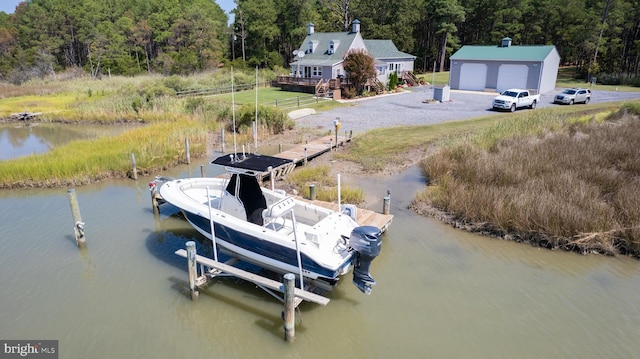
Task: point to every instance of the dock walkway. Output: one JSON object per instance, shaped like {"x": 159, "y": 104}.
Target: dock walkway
{"x": 313, "y": 149}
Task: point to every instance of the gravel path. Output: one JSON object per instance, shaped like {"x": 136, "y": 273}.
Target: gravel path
{"x": 407, "y": 108}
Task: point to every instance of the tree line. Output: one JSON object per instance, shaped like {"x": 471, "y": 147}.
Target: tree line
{"x": 179, "y": 37}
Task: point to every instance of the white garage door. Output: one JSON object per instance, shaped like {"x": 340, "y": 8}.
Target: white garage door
{"x": 512, "y": 76}
{"x": 473, "y": 77}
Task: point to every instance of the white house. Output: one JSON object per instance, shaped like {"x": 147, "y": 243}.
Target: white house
{"x": 321, "y": 54}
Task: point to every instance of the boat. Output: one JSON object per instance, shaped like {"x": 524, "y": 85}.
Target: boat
{"x": 272, "y": 230}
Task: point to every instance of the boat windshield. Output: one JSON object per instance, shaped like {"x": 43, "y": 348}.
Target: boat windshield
{"x": 250, "y": 194}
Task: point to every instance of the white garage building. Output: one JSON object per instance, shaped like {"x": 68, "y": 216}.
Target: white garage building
{"x": 481, "y": 68}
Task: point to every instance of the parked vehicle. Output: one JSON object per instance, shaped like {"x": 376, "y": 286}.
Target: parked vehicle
{"x": 573, "y": 95}
{"x": 513, "y": 99}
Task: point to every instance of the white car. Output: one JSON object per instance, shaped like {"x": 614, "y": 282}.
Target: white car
{"x": 573, "y": 95}
{"x": 513, "y": 99}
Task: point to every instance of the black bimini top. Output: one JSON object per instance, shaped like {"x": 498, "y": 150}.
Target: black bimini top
{"x": 251, "y": 162}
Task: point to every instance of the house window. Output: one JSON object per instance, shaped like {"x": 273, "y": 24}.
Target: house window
{"x": 333, "y": 46}
{"x": 382, "y": 70}
{"x": 310, "y": 48}
{"x": 397, "y": 67}
{"x": 316, "y": 71}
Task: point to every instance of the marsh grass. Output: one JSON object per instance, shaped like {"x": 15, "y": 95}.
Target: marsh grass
{"x": 326, "y": 186}
{"x": 548, "y": 179}
{"x": 155, "y": 147}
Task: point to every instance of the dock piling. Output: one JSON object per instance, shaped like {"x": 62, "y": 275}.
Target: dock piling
{"x": 386, "y": 203}
{"x": 202, "y": 174}
{"x": 78, "y": 225}
{"x": 222, "y": 140}
{"x": 155, "y": 204}
{"x": 188, "y": 150}
{"x": 289, "y": 284}
{"x": 193, "y": 271}
{"x": 312, "y": 192}
{"x": 134, "y": 170}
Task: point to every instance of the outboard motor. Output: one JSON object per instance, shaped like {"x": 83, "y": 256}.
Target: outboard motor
{"x": 366, "y": 242}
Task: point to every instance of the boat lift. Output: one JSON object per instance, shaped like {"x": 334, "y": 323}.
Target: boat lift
{"x": 210, "y": 268}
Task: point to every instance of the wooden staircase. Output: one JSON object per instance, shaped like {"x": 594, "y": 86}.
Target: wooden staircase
{"x": 323, "y": 88}
{"x": 410, "y": 78}
{"x": 378, "y": 87}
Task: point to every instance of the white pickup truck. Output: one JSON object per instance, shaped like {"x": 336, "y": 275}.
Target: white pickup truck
{"x": 513, "y": 99}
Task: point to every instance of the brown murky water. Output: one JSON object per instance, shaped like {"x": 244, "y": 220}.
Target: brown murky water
{"x": 20, "y": 139}
{"x": 441, "y": 293}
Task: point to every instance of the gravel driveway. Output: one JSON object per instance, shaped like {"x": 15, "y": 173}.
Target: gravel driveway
{"x": 408, "y": 108}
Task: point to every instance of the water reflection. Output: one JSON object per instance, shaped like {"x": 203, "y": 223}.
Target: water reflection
{"x": 23, "y": 139}
{"x": 441, "y": 292}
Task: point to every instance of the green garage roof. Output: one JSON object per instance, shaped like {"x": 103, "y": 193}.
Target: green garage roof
{"x": 508, "y": 53}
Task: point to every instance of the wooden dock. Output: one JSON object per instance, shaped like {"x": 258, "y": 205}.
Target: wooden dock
{"x": 364, "y": 217}
{"x": 312, "y": 149}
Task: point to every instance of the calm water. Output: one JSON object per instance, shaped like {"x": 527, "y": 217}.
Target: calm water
{"x": 441, "y": 293}
{"x": 23, "y": 139}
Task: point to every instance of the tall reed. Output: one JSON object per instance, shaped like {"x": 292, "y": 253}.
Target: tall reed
{"x": 553, "y": 181}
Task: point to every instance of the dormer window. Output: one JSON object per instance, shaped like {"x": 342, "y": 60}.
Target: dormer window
{"x": 311, "y": 46}
{"x": 333, "y": 46}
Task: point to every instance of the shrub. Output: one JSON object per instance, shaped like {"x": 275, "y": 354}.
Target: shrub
{"x": 176, "y": 83}
{"x": 348, "y": 92}
{"x": 393, "y": 81}
{"x": 194, "y": 104}
{"x": 271, "y": 118}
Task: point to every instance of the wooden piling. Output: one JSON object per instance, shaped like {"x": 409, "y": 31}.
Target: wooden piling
{"x": 134, "y": 169}
{"x": 193, "y": 271}
{"x": 78, "y": 225}
{"x": 154, "y": 201}
{"x": 312, "y": 192}
{"x": 272, "y": 178}
{"x": 222, "y": 139}
{"x": 289, "y": 284}
{"x": 305, "y": 157}
{"x": 188, "y": 150}
{"x": 386, "y": 203}
{"x": 202, "y": 172}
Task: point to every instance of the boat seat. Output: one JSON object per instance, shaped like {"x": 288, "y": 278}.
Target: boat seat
{"x": 275, "y": 224}
{"x": 275, "y": 213}
{"x": 232, "y": 205}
